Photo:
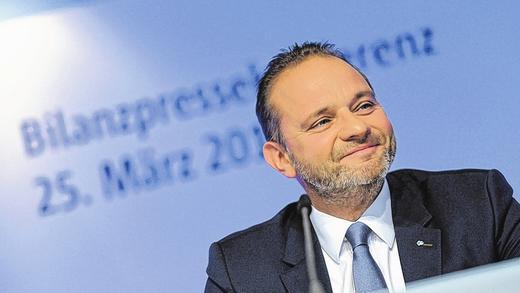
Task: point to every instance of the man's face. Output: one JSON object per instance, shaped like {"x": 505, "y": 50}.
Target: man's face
{"x": 337, "y": 135}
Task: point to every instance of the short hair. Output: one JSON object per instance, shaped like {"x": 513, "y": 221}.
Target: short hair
{"x": 268, "y": 117}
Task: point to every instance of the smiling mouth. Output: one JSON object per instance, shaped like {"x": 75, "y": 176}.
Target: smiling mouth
{"x": 361, "y": 150}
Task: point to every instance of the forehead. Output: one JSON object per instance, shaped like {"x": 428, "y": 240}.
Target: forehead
{"x": 316, "y": 82}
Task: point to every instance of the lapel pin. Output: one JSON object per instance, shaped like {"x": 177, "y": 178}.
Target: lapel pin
{"x": 421, "y": 243}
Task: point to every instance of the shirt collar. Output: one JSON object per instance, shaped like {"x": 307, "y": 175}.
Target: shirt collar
{"x": 331, "y": 230}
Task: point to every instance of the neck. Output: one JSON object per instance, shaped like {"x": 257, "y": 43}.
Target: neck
{"x": 348, "y": 205}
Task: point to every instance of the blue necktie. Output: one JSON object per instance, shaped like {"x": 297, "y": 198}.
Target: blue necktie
{"x": 367, "y": 276}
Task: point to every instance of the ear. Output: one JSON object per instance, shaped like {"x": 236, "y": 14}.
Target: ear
{"x": 277, "y": 157}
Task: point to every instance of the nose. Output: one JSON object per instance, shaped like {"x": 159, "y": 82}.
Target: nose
{"x": 352, "y": 127}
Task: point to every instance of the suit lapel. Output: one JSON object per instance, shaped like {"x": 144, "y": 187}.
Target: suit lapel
{"x": 419, "y": 245}
{"x": 295, "y": 278}
{"x": 419, "y": 261}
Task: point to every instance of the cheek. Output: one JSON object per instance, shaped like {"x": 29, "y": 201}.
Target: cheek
{"x": 388, "y": 129}
{"x": 322, "y": 145}
{"x": 313, "y": 148}
{"x": 381, "y": 122}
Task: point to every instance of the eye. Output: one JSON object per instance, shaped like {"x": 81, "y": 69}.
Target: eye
{"x": 320, "y": 123}
{"x": 366, "y": 107}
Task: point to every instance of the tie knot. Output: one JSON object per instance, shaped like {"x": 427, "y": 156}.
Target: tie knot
{"x": 357, "y": 234}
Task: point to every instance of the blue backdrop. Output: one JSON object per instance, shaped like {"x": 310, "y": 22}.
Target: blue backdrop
{"x": 129, "y": 140}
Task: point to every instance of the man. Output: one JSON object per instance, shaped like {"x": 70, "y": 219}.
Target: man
{"x": 325, "y": 127}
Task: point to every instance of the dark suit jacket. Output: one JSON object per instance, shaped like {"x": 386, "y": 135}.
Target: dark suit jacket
{"x": 469, "y": 216}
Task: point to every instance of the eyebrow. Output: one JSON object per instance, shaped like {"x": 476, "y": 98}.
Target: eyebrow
{"x": 323, "y": 110}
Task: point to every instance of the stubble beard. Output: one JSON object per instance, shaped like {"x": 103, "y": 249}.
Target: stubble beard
{"x": 338, "y": 184}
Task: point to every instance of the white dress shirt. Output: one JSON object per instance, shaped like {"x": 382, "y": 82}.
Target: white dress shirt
{"x": 382, "y": 244}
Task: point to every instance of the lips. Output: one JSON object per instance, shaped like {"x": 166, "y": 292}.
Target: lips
{"x": 359, "y": 149}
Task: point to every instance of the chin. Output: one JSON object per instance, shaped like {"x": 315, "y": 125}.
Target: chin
{"x": 371, "y": 171}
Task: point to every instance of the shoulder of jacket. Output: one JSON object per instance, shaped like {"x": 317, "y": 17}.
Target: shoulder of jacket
{"x": 421, "y": 175}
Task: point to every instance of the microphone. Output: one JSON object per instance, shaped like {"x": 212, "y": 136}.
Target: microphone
{"x": 304, "y": 209}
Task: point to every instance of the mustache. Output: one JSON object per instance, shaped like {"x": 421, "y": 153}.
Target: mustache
{"x": 369, "y": 138}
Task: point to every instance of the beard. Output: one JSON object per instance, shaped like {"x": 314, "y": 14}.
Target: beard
{"x": 335, "y": 182}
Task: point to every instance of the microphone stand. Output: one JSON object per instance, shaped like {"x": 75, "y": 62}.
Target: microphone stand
{"x": 304, "y": 207}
